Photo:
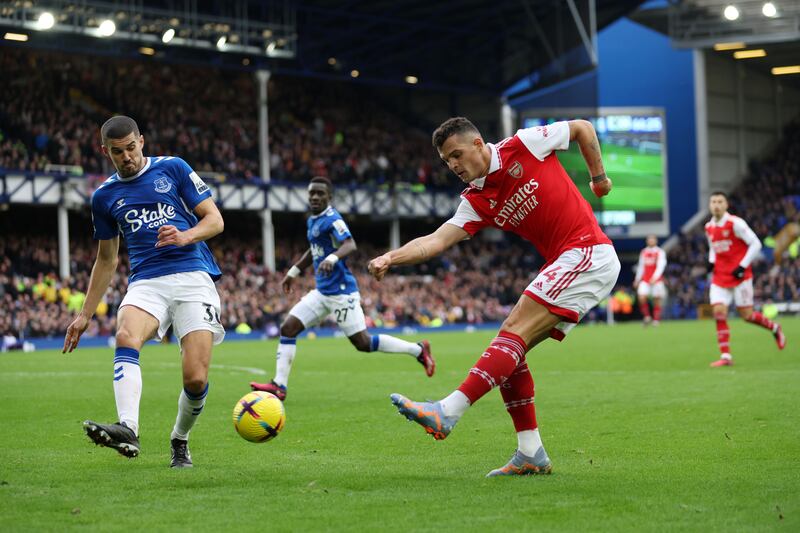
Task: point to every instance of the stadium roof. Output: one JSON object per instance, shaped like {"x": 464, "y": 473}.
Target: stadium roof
{"x": 462, "y": 45}
{"x": 483, "y": 45}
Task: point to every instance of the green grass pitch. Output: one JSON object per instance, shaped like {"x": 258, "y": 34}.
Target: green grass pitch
{"x": 643, "y": 435}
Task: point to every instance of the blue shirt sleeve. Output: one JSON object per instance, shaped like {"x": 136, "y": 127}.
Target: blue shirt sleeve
{"x": 105, "y": 227}
{"x": 339, "y": 229}
{"x": 191, "y": 187}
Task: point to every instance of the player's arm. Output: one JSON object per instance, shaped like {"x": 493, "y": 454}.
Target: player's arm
{"x": 639, "y": 271}
{"x": 347, "y": 247}
{"x": 210, "y": 224}
{"x": 712, "y": 256}
{"x": 103, "y": 270}
{"x": 582, "y": 132}
{"x": 743, "y": 231}
{"x": 661, "y": 264}
{"x": 419, "y": 250}
{"x": 295, "y": 270}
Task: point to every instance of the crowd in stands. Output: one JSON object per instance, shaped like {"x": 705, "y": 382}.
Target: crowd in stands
{"x": 476, "y": 282}
{"x": 51, "y": 107}
{"x": 768, "y": 199}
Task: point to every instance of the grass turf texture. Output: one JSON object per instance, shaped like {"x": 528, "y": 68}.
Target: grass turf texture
{"x": 642, "y": 434}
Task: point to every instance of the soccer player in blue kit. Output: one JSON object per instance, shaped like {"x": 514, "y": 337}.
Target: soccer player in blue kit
{"x": 336, "y": 293}
{"x": 165, "y": 213}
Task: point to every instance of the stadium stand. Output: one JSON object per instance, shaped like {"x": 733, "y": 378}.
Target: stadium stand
{"x": 37, "y": 303}
{"x": 208, "y": 116}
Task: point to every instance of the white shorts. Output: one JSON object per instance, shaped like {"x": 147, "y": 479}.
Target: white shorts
{"x": 574, "y": 283}
{"x": 346, "y": 308}
{"x": 187, "y": 300}
{"x": 742, "y": 294}
{"x": 651, "y": 290}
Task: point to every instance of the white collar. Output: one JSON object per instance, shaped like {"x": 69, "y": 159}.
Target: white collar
{"x": 324, "y": 212}
{"x": 722, "y": 220}
{"x": 142, "y": 171}
{"x": 494, "y": 166}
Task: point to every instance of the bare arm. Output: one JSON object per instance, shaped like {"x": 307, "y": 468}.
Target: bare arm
{"x": 103, "y": 270}
{"x": 210, "y": 225}
{"x": 582, "y": 132}
{"x": 419, "y": 250}
{"x": 295, "y": 271}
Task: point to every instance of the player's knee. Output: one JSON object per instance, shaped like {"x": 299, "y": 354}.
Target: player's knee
{"x": 362, "y": 343}
{"x": 745, "y": 312}
{"x": 195, "y": 383}
{"x": 289, "y": 330}
{"x": 125, "y": 338}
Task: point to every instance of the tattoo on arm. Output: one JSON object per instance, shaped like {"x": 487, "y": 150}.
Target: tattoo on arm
{"x": 423, "y": 252}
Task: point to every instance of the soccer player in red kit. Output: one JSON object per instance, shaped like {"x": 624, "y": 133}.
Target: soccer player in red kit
{"x": 649, "y": 282}
{"x": 518, "y": 185}
{"x": 732, "y": 246}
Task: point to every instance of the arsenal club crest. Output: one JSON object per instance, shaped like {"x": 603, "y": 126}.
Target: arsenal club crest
{"x": 516, "y": 170}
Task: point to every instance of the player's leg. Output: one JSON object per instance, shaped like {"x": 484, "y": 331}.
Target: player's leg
{"x": 528, "y": 324}
{"x": 197, "y": 326}
{"x": 743, "y": 296}
{"x": 305, "y": 313}
{"x": 134, "y": 327}
{"x": 196, "y": 358}
{"x": 350, "y": 319}
{"x": 643, "y": 295}
{"x": 723, "y": 335}
{"x": 659, "y": 292}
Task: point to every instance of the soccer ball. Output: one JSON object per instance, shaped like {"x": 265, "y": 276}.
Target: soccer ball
{"x": 259, "y": 416}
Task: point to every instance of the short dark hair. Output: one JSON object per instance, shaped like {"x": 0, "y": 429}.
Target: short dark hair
{"x": 118, "y": 127}
{"x": 325, "y": 181}
{"x": 450, "y": 127}
{"x": 719, "y": 193}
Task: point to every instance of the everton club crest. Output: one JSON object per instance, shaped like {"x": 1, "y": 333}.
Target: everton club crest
{"x": 162, "y": 185}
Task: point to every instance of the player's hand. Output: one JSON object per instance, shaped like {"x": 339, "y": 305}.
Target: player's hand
{"x": 170, "y": 235}
{"x": 379, "y": 266}
{"x": 601, "y": 188}
{"x": 286, "y": 284}
{"x": 635, "y": 284}
{"x": 74, "y": 332}
{"x": 326, "y": 267}
{"x": 738, "y": 272}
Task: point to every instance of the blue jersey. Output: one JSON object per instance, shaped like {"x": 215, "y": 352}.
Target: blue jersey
{"x": 164, "y": 192}
{"x": 326, "y": 232}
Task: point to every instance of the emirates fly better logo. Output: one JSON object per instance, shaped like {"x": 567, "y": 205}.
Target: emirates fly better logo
{"x": 519, "y": 205}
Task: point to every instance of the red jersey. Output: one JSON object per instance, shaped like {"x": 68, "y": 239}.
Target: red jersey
{"x": 652, "y": 262}
{"x": 529, "y": 193}
{"x": 731, "y": 243}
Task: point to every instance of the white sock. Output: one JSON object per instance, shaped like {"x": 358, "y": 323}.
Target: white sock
{"x": 529, "y": 442}
{"x": 456, "y": 404}
{"x": 127, "y": 386}
{"x": 286, "y": 349}
{"x": 189, "y": 408}
{"x": 387, "y": 343}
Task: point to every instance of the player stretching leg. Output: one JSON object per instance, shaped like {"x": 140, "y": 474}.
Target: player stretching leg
{"x": 165, "y": 212}
{"x": 649, "y": 282}
{"x": 336, "y": 293}
{"x": 732, "y": 246}
{"x": 518, "y": 185}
